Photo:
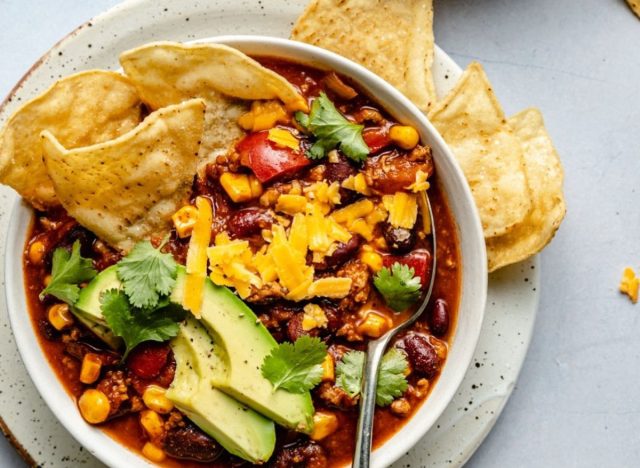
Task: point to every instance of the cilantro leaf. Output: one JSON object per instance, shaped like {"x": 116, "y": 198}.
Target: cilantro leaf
{"x": 399, "y": 286}
{"x": 147, "y": 274}
{"x": 391, "y": 379}
{"x": 135, "y": 325}
{"x": 349, "y": 372}
{"x": 69, "y": 269}
{"x": 332, "y": 130}
{"x": 302, "y": 119}
{"x": 295, "y": 367}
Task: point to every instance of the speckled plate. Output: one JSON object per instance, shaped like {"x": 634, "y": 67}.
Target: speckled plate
{"x": 513, "y": 292}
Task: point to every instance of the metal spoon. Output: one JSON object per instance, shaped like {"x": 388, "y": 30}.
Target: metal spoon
{"x": 375, "y": 351}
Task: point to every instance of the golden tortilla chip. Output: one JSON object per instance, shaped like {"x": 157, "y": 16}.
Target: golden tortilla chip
{"x": 474, "y": 126}
{"x": 392, "y": 38}
{"x": 82, "y": 109}
{"x": 126, "y": 190}
{"x": 635, "y": 6}
{"x": 169, "y": 72}
{"x": 545, "y": 176}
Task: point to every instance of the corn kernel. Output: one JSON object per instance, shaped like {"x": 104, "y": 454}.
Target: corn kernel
{"x": 325, "y": 423}
{"x": 90, "y": 371}
{"x": 328, "y": 369}
{"x": 36, "y": 252}
{"x": 184, "y": 219}
{"x": 47, "y": 280}
{"x": 372, "y": 259}
{"x": 240, "y": 187}
{"x": 256, "y": 186}
{"x": 60, "y": 316}
{"x": 94, "y": 406}
{"x": 154, "y": 398}
{"x": 374, "y": 325}
{"x": 152, "y": 423}
{"x": 380, "y": 243}
{"x": 404, "y": 136}
{"x": 153, "y": 452}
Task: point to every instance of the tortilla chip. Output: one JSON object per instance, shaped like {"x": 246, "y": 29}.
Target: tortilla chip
{"x": 545, "y": 176}
{"x": 126, "y": 190}
{"x": 169, "y": 72}
{"x": 474, "y": 126}
{"x": 392, "y": 38}
{"x": 82, "y": 109}
{"x": 635, "y": 6}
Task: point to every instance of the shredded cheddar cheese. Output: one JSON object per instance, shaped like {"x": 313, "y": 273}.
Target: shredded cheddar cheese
{"x": 313, "y": 317}
{"x": 402, "y": 208}
{"x": 197, "y": 257}
{"x": 421, "y": 184}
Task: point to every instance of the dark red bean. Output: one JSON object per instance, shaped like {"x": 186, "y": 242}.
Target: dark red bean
{"x": 190, "y": 443}
{"x": 438, "y": 318}
{"x": 343, "y": 252}
{"x": 249, "y": 221}
{"x": 337, "y": 172}
{"x": 423, "y": 358}
{"x": 399, "y": 240}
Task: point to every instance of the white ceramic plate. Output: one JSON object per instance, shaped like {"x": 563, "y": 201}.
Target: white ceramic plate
{"x": 130, "y": 24}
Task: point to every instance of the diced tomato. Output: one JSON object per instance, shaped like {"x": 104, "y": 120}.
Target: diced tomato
{"x": 376, "y": 138}
{"x": 419, "y": 260}
{"x": 268, "y": 160}
{"x": 147, "y": 359}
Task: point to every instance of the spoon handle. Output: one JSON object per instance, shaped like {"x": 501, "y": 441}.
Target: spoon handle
{"x": 362, "y": 454}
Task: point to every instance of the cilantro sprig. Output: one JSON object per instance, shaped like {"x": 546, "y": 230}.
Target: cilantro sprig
{"x": 296, "y": 367}
{"x": 136, "y": 325}
{"x": 398, "y": 285}
{"x": 69, "y": 269}
{"x": 332, "y": 130}
{"x": 392, "y": 382}
{"x": 147, "y": 274}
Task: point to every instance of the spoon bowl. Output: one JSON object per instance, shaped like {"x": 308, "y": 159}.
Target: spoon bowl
{"x": 375, "y": 351}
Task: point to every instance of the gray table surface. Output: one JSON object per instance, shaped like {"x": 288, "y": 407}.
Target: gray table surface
{"x": 577, "y": 402}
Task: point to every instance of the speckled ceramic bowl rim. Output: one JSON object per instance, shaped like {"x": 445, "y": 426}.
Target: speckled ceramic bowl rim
{"x": 474, "y": 271}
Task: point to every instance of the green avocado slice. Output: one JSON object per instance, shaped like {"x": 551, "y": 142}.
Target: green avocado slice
{"x": 87, "y": 308}
{"x": 243, "y": 344}
{"x": 240, "y": 430}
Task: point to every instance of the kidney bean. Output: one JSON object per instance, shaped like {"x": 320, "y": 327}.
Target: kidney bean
{"x": 189, "y": 443}
{"x": 337, "y": 172}
{"x": 249, "y": 221}
{"x": 343, "y": 252}
{"x": 438, "y": 318}
{"x": 423, "y": 358}
{"x": 399, "y": 240}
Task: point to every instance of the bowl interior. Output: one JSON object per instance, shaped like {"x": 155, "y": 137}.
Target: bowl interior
{"x": 474, "y": 273}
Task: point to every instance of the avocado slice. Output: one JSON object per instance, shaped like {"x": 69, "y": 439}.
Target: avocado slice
{"x": 240, "y": 430}
{"x": 243, "y": 343}
{"x": 87, "y": 309}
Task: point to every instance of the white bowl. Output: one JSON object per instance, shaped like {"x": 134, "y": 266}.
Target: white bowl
{"x": 473, "y": 254}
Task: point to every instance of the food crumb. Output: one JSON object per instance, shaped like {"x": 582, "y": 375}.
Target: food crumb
{"x": 630, "y": 284}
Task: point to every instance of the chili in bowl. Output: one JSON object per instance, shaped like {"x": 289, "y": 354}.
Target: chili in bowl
{"x": 311, "y": 227}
